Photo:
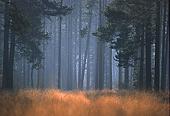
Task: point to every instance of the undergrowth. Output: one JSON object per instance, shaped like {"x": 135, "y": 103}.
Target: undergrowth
{"x": 93, "y": 103}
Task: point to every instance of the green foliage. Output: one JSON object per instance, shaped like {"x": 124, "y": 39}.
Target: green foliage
{"x": 116, "y": 16}
{"x": 83, "y": 32}
{"x": 91, "y": 3}
{"x": 26, "y": 23}
{"x": 104, "y": 34}
{"x": 19, "y": 23}
{"x": 120, "y": 33}
{"x": 53, "y": 8}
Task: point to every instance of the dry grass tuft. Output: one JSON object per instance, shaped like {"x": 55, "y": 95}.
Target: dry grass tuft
{"x": 94, "y": 103}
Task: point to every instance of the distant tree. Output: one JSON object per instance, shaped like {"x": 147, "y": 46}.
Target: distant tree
{"x": 57, "y": 9}
{"x": 89, "y": 6}
{"x": 99, "y": 83}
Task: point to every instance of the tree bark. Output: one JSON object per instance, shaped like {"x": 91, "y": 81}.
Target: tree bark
{"x": 80, "y": 26}
{"x": 110, "y": 64}
{"x": 163, "y": 78}
{"x": 120, "y": 78}
{"x": 148, "y": 50}
{"x": 88, "y": 72}
{"x": 157, "y": 48}
{"x": 5, "y": 79}
{"x": 11, "y": 60}
{"x": 70, "y": 52}
{"x": 32, "y": 74}
{"x": 59, "y": 50}
{"x": 87, "y": 47}
{"x": 100, "y": 56}
{"x": 141, "y": 75}
{"x": 126, "y": 77}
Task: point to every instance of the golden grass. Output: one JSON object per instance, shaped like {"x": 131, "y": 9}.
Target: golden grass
{"x": 94, "y": 103}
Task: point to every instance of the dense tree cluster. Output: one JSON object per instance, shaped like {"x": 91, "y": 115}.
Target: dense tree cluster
{"x": 138, "y": 31}
{"x": 23, "y": 32}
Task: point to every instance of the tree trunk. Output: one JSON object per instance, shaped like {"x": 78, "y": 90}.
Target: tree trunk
{"x": 126, "y": 77}
{"x": 11, "y": 60}
{"x": 167, "y": 56}
{"x": 163, "y": 78}
{"x": 88, "y": 72}
{"x": 43, "y": 61}
{"x": 110, "y": 64}
{"x": 55, "y": 51}
{"x": 167, "y": 47}
{"x": 5, "y": 79}
{"x": 70, "y": 52}
{"x": 87, "y": 48}
{"x": 100, "y": 56}
{"x": 28, "y": 75}
{"x": 59, "y": 50}
{"x": 157, "y": 48}
{"x": 24, "y": 72}
{"x": 80, "y": 26}
{"x": 120, "y": 78}
{"x": 148, "y": 50}
{"x": 38, "y": 78}
{"x": 141, "y": 76}
{"x": 32, "y": 74}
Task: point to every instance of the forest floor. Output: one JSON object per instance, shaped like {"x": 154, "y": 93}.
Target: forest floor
{"x": 92, "y": 103}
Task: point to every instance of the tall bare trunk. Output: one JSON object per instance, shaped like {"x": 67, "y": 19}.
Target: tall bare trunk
{"x": 157, "y": 48}
{"x": 87, "y": 48}
{"x": 6, "y": 47}
{"x": 11, "y": 60}
{"x": 148, "y": 50}
{"x": 141, "y": 76}
{"x": 59, "y": 50}
{"x": 163, "y": 70}
{"x": 110, "y": 64}
{"x": 80, "y": 26}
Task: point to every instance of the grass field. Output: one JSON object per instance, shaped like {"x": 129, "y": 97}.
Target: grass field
{"x": 93, "y": 103}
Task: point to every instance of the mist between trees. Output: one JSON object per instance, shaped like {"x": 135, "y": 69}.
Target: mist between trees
{"x": 84, "y": 44}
